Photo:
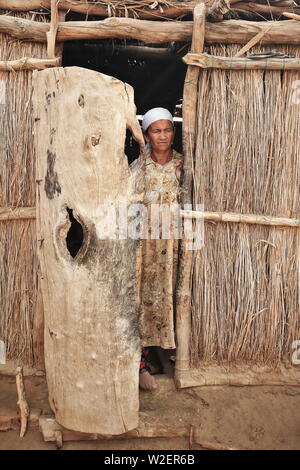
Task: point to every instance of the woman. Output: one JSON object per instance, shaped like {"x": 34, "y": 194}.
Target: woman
{"x": 160, "y": 166}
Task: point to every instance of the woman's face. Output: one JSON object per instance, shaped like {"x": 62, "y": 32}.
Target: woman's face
{"x": 160, "y": 134}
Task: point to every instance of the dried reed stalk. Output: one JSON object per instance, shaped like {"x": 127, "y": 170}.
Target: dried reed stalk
{"x": 246, "y": 278}
{"x": 18, "y": 267}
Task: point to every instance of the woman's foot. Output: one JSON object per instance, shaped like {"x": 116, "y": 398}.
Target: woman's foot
{"x": 146, "y": 381}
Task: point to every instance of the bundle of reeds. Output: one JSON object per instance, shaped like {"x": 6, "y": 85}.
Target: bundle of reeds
{"x": 246, "y": 277}
{"x": 18, "y": 264}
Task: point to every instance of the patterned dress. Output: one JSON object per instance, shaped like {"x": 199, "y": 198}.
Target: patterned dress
{"x": 159, "y": 256}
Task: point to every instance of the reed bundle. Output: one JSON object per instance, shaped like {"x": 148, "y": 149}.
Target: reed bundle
{"x": 18, "y": 267}
{"x": 246, "y": 277}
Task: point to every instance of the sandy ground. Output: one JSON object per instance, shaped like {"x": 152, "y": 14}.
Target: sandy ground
{"x": 261, "y": 417}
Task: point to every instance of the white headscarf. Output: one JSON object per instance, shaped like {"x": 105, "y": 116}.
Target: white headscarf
{"x": 155, "y": 114}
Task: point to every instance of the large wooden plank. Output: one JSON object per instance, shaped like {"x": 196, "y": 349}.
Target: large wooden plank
{"x": 92, "y": 347}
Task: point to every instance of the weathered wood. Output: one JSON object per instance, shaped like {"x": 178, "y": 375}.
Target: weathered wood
{"x": 11, "y": 422}
{"x": 27, "y": 63}
{"x": 224, "y": 32}
{"x": 176, "y": 9}
{"x": 173, "y": 10}
{"x": 51, "y": 34}
{"x": 241, "y": 218}
{"x": 22, "y": 402}
{"x": 148, "y": 428}
{"x": 207, "y": 61}
{"x": 189, "y": 111}
{"x": 270, "y": 10}
{"x": 30, "y": 213}
{"x": 38, "y": 330}
{"x": 10, "y": 213}
{"x": 92, "y": 347}
{"x": 292, "y": 15}
{"x": 253, "y": 41}
{"x": 239, "y": 374}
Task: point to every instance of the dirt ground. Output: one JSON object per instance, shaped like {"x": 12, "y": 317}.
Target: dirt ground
{"x": 261, "y": 417}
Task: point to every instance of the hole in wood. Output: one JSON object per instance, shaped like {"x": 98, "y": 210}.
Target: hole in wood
{"x": 81, "y": 101}
{"x": 74, "y": 238}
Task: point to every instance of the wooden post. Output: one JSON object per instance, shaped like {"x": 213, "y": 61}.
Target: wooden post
{"x": 51, "y": 34}
{"x": 22, "y": 403}
{"x": 183, "y": 291}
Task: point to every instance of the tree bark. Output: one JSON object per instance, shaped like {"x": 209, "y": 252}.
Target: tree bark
{"x": 224, "y": 32}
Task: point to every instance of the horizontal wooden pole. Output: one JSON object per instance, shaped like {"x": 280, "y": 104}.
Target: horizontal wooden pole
{"x": 9, "y": 213}
{"x": 27, "y": 63}
{"x": 148, "y": 428}
{"x": 226, "y": 32}
{"x": 294, "y": 16}
{"x": 238, "y": 374}
{"x": 241, "y": 218}
{"x": 264, "y": 9}
{"x": 173, "y": 10}
{"x": 207, "y": 61}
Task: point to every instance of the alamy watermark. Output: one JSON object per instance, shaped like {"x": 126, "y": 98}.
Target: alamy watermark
{"x": 2, "y": 92}
{"x": 296, "y": 353}
{"x": 151, "y": 222}
{"x": 296, "y": 92}
{"x": 2, "y": 352}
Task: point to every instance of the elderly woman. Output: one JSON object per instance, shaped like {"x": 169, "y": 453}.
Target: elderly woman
{"x": 160, "y": 166}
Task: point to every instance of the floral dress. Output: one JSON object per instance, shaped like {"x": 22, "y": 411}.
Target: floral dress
{"x": 158, "y": 256}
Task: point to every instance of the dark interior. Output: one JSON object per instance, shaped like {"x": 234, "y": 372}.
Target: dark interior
{"x": 156, "y": 72}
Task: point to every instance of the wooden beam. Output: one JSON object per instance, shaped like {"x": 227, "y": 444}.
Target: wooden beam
{"x": 189, "y": 127}
{"x": 27, "y": 63}
{"x": 173, "y": 10}
{"x": 224, "y": 32}
{"x": 241, "y": 218}
{"x": 292, "y": 15}
{"x": 253, "y": 41}
{"x": 239, "y": 374}
{"x": 270, "y": 10}
{"x": 207, "y": 61}
{"x": 147, "y": 428}
{"x": 10, "y": 213}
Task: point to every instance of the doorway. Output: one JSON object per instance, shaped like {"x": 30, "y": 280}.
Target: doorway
{"x": 156, "y": 72}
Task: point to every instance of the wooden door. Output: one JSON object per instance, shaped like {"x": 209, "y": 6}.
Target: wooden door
{"x": 92, "y": 348}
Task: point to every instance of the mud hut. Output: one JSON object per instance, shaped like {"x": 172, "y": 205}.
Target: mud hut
{"x": 237, "y": 304}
